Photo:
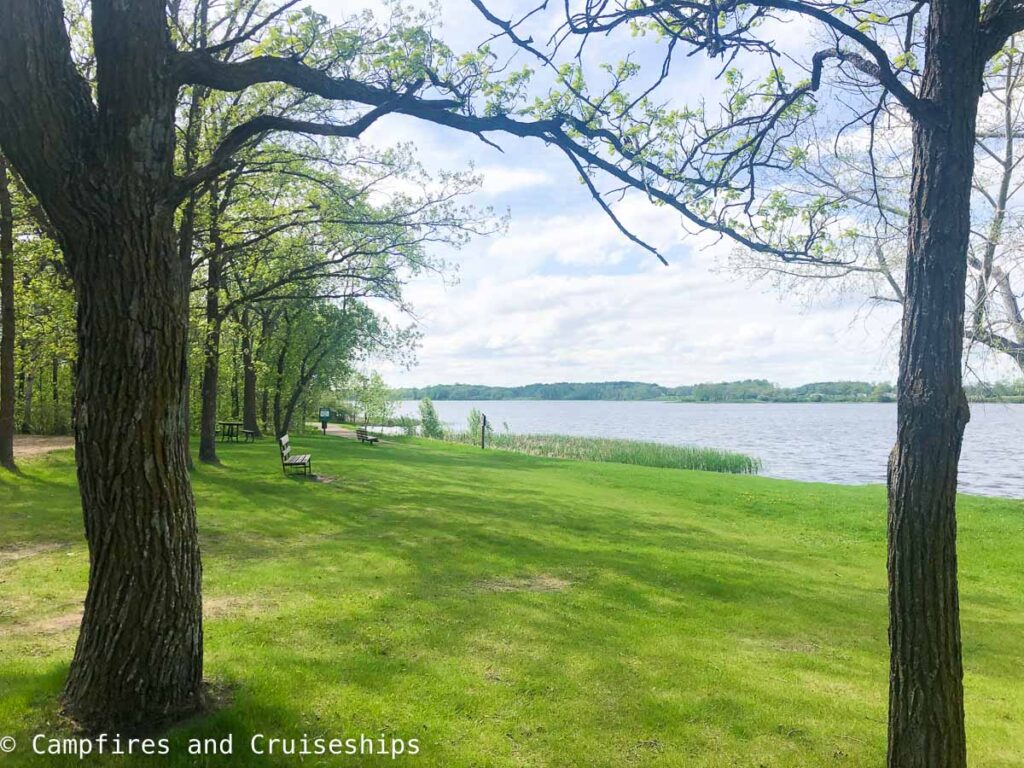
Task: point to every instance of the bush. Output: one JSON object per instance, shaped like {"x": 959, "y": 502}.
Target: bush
{"x": 473, "y": 424}
{"x": 430, "y": 424}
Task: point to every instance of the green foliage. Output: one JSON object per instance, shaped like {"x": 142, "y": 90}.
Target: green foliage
{"x": 373, "y": 398}
{"x": 475, "y": 423}
{"x": 44, "y": 306}
{"x": 760, "y": 390}
{"x": 430, "y": 424}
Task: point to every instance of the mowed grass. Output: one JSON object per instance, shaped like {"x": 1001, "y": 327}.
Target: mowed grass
{"x": 507, "y": 610}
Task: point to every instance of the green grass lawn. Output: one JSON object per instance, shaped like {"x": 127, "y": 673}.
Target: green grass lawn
{"x": 507, "y": 610}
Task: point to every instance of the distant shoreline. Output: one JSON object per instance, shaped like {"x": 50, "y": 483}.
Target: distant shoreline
{"x": 734, "y": 392}
{"x": 1012, "y": 400}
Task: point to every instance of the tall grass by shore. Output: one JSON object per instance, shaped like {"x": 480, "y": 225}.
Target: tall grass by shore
{"x": 617, "y": 451}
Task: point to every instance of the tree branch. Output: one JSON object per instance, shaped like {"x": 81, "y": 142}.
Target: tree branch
{"x": 48, "y": 118}
{"x": 260, "y": 125}
{"x": 1001, "y": 20}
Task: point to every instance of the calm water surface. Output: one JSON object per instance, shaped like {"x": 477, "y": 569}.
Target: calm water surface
{"x": 827, "y": 442}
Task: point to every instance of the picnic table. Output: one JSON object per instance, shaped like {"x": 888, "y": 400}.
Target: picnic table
{"x": 229, "y": 430}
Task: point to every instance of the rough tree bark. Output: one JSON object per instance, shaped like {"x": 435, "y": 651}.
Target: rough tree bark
{"x": 102, "y": 173}
{"x": 7, "y": 328}
{"x": 926, "y": 710}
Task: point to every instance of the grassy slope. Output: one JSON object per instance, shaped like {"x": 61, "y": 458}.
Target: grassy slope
{"x": 711, "y": 620}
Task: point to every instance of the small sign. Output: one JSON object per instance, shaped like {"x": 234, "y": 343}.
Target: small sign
{"x": 325, "y": 413}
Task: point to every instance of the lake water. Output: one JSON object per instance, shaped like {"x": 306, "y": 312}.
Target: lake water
{"x": 824, "y": 442}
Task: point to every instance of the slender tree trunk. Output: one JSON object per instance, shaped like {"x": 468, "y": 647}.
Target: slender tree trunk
{"x": 186, "y": 236}
{"x": 26, "y": 404}
{"x": 60, "y": 425}
{"x": 186, "y": 406}
{"x": 279, "y": 427}
{"x": 249, "y": 418}
{"x": 926, "y": 709}
{"x": 235, "y": 392}
{"x": 22, "y": 371}
{"x": 208, "y": 391}
{"x": 211, "y": 346}
{"x": 7, "y": 328}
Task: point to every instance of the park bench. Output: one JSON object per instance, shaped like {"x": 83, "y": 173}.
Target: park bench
{"x": 365, "y": 437}
{"x": 250, "y": 435}
{"x": 302, "y": 461}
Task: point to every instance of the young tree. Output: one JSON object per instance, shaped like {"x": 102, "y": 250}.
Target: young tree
{"x": 373, "y": 397}
{"x": 430, "y": 424}
{"x": 316, "y": 347}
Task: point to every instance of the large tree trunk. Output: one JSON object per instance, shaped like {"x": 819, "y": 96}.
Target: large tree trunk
{"x": 926, "y": 709}
{"x": 139, "y": 655}
{"x": 6, "y": 319}
{"x": 104, "y": 172}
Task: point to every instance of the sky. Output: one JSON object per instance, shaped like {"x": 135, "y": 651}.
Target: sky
{"x": 561, "y": 295}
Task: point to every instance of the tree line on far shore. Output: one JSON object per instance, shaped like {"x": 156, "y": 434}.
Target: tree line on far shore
{"x": 747, "y": 390}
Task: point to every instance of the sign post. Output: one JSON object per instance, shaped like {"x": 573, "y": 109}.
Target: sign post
{"x": 325, "y": 414}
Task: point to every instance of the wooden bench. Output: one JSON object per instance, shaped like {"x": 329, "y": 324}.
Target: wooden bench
{"x": 250, "y": 435}
{"x": 302, "y": 461}
{"x": 365, "y": 437}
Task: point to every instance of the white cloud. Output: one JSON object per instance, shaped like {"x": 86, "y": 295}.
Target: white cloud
{"x": 564, "y": 296}
{"x": 672, "y": 325}
{"x": 499, "y": 180}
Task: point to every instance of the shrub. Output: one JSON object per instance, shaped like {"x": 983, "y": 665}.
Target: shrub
{"x": 430, "y": 424}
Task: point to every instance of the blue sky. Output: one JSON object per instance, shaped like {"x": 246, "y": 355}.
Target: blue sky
{"x": 562, "y": 296}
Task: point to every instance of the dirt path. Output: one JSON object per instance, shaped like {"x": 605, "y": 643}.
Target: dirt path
{"x": 349, "y": 434}
{"x": 30, "y": 446}
{"x": 339, "y": 431}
